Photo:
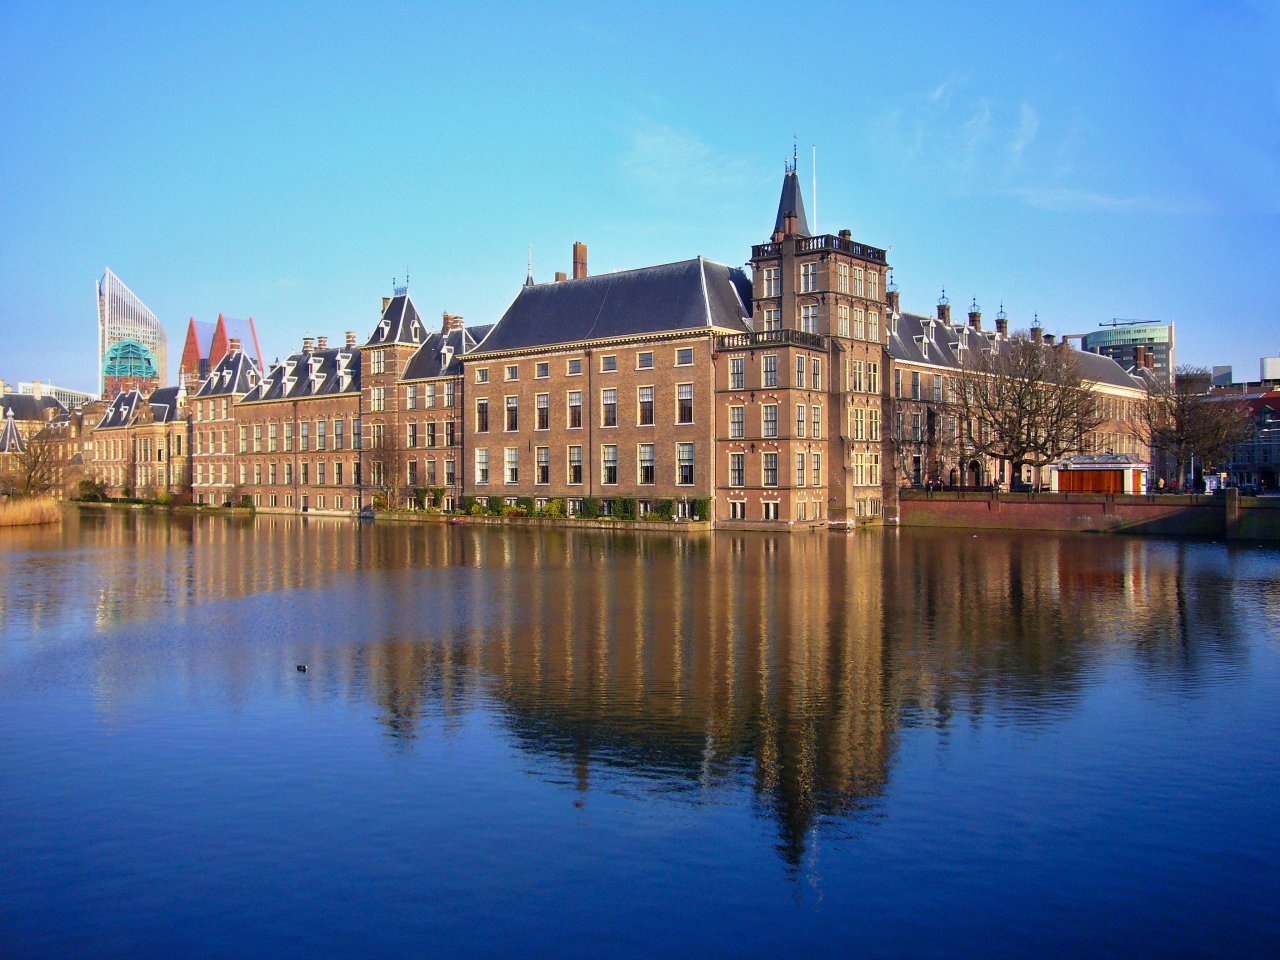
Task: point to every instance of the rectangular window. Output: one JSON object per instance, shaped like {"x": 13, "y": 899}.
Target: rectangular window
{"x": 815, "y": 374}
{"x": 859, "y": 429}
{"x": 244, "y": 438}
{"x": 873, "y": 284}
{"x": 809, "y": 317}
{"x": 431, "y": 395}
{"x": 799, "y": 372}
{"x": 772, "y": 318}
{"x": 322, "y": 434}
{"x": 542, "y": 411}
{"x": 542, "y": 370}
{"x": 431, "y": 433}
{"x": 859, "y": 324}
{"x": 257, "y": 438}
{"x": 608, "y": 408}
{"x": 574, "y": 367}
{"x": 482, "y": 415}
{"x": 915, "y": 384}
{"x": 684, "y": 403}
{"x": 648, "y": 471}
{"x": 305, "y": 474}
{"x": 411, "y": 435}
{"x": 684, "y": 357}
{"x": 411, "y": 397}
{"x": 644, "y": 360}
{"x": 799, "y": 469}
{"x": 512, "y": 414}
{"x": 304, "y": 439}
{"x": 737, "y": 469}
{"x": 816, "y": 459}
{"x": 608, "y": 463}
{"x": 257, "y": 474}
{"x": 684, "y": 464}
{"x": 769, "y": 377}
{"x": 737, "y": 422}
{"x": 737, "y": 373}
{"x": 857, "y": 282}
{"x": 511, "y": 372}
{"x": 873, "y": 377}
{"x": 769, "y": 421}
{"x": 288, "y": 475}
{"x": 808, "y": 278}
{"x": 482, "y": 465}
{"x": 842, "y": 320}
{"x": 800, "y": 408}
{"x": 575, "y": 465}
{"x": 842, "y": 279}
{"x": 273, "y": 437}
{"x": 377, "y": 399}
{"x": 512, "y": 462}
{"x": 873, "y": 327}
{"x": 543, "y": 458}
{"x": 320, "y": 473}
{"x": 271, "y": 474}
{"x": 770, "y": 469}
{"x": 645, "y": 412}
{"x": 337, "y": 472}
{"x": 771, "y": 286}
{"x": 873, "y": 425}
{"x": 379, "y": 364}
{"x": 449, "y": 388}
{"x": 609, "y": 363}
{"x": 575, "y": 409}
{"x": 431, "y": 473}
{"x": 450, "y": 473}
{"x": 897, "y": 382}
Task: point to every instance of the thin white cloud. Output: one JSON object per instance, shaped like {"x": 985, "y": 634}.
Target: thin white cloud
{"x": 1028, "y": 127}
{"x": 1065, "y": 199}
{"x": 669, "y": 161}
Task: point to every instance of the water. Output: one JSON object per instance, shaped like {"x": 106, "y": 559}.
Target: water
{"x": 573, "y": 743}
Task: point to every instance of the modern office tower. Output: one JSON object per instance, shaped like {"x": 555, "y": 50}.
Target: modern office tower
{"x": 66, "y": 396}
{"x": 133, "y": 352}
{"x": 1134, "y": 344}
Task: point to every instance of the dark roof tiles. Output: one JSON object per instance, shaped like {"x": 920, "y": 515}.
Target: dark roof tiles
{"x": 400, "y": 323}
{"x": 317, "y": 374}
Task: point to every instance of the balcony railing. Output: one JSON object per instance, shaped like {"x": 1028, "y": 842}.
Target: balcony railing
{"x": 771, "y": 338}
{"x": 824, "y": 242}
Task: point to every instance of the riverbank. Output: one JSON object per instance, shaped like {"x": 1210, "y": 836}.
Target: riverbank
{"x": 30, "y": 511}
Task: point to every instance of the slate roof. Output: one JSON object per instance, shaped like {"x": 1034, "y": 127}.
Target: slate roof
{"x": 121, "y": 409}
{"x": 925, "y": 340}
{"x": 432, "y": 360}
{"x": 689, "y": 295}
{"x": 165, "y": 406}
{"x": 10, "y": 439}
{"x": 321, "y": 373}
{"x": 400, "y": 323}
{"x": 790, "y": 200}
{"x": 27, "y": 407}
{"x": 235, "y": 375}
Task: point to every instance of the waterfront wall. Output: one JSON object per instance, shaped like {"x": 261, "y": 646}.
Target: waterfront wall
{"x": 1233, "y": 517}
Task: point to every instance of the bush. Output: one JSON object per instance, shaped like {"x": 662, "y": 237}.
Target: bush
{"x": 702, "y": 508}
{"x": 437, "y": 496}
{"x": 554, "y": 509}
{"x": 666, "y": 509}
{"x": 466, "y": 504}
{"x": 494, "y": 505}
{"x": 245, "y": 501}
{"x": 92, "y": 490}
{"x": 477, "y": 509}
{"x": 590, "y": 508}
{"x": 624, "y": 508}
{"x": 527, "y": 505}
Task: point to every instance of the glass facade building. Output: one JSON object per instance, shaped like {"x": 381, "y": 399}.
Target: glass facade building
{"x": 1122, "y": 341}
{"x": 133, "y": 352}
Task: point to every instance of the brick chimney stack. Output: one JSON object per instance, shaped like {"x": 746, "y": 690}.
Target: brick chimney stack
{"x": 789, "y": 224}
{"x": 351, "y": 339}
{"x": 892, "y": 298}
{"x": 944, "y": 308}
{"x": 1002, "y": 322}
{"x": 561, "y": 276}
{"x": 451, "y": 322}
{"x": 233, "y": 345}
{"x": 308, "y": 344}
{"x": 579, "y": 260}
{"x": 1048, "y": 338}
{"x": 322, "y": 343}
{"x": 386, "y": 302}
{"x": 975, "y": 315}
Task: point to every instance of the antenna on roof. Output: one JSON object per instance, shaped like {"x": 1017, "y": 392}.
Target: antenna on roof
{"x": 528, "y": 277}
{"x": 815, "y": 191}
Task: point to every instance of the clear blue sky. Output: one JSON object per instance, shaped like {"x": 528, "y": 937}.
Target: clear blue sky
{"x": 1085, "y": 161}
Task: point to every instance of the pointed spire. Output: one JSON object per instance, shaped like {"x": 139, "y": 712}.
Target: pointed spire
{"x": 528, "y": 278}
{"x": 791, "y": 204}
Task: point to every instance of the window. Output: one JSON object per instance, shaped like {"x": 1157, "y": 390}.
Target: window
{"x": 431, "y": 433}
{"x": 684, "y": 464}
{"x": 320, "y": 473}
{"x": 772, "y": 318}
{"x": 337, "y": 472}
{"x": 937, "y": 388}
{"x": 770, "y": 469}
{"x": 411, "y": 397}
{"x": 815, "y": 371}
{"x": 608, "y": 408}
{"x": 799, "y": 371}
{"x": 737, "y": 422}
{"x": 482, "y": 415}
{"x": 304, "y": 439}
{"x": 542, "y": 411}
{"x": 800, "y": 419}
{"x": 644, "y": 360}
{"x": 608, "y": 463}
{"x": 321, "y": 434}
{"x": 873, "y": 377}
{"x": 737, "y": 469}
{"x": 858, "y": 429}
{"x": 575, "y": 409}
{"x": 271, "y": 474}
{"x": 873, "y": 326}
{"x": 816, "y": 475}
{"x": 511, "y": 372}
{"x": 737, "y": 373}
{"x": 873, "y": 425}
{"x": 645, "y": 413}
{"x": 482, "y": 465}
{"x": 809, "y": 318}
{"x": 873, "y": 284}
{"x": 244, "y": 439}
{"x": 771, "y": 510}
{"x": 305, "y": 474}
{"x": 873, "y": 469}
{"x": 842, "y": 279}
{"x": 808, "y": 278}
{"x": 684, "y": 403}
{"x": 411, "y": 435}
{"x": 542, "y": 370}
{"x": 431, "y": 395}
{"x": 512, "y": 414}
{"x": 799, "y": 469}
{"x": 915, "y": 384}
{"x": 684, "y": 357}
{"x": 450, "y": 473}
{"x": 609, "y": 364}
{"x": 648, "y": 471}
{"x": 356, "y": 439}
{"x": 288, "y": 475}
{"x": 857, "y": 282}
{"x": 377, "y": 399}
{"x": 257, "y": 474}
{"x": 482, "y": 375}
{"x": 449, "y": 389}
{"x": 431, "y": 472}
{"x": 379, "y": 362}
{"x": 512, "y": 462}
{"x": 842, "y": 320}
{"x": 769, "y": 421}
{"x": 770, "y": 370}
{"x": 542, "y": 456}
{"x": 771, "y": 287}
{"x": 574, "y": 367}
{"x": 575, "y": 464}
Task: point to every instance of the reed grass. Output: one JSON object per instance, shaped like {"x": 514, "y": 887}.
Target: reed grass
{"x": 29, "y": 510}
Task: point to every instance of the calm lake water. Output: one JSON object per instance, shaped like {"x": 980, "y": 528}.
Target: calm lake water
{"x": 574, "y": 743}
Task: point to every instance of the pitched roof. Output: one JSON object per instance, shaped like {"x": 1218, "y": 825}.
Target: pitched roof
{"x": 120, "y": 411}
{"x": 791, "y": 201}
{"x": 917, "y": 339}
{"x": 165, "y": 404}
{"x": 689, "y": 295}
{"x": 320, "y": 373}
{"x": 235, "y": 375}
{"x": 204, "y": 335}
{"x": 28, "y": 407}
{"x": 10, "y": 438}
{"x": 400, "y": 323}
{"x": 433, "y": 359}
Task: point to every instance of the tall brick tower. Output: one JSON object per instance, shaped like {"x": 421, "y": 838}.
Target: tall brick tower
{"x": 397, "y": 337}
{"x": 828, "y": 294}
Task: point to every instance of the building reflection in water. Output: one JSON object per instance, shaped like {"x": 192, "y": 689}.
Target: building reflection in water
{"x": 786, "y": 665}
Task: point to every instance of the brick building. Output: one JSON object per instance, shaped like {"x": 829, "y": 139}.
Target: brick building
{"x": 142, "y": 447}
{"x": 215, "y": 471}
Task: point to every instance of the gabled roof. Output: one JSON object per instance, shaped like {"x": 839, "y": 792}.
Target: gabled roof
{"x": 320, "y": 373}
{"x": 925, "y": 340}
{"x": 400, "y": 323}
{"x": 28, "y": 407}
{"x": 10, "y": 438}
{"x": 791, "y": 201}
{"x": 441, "y": 356}
{"x": 689, "y": 295}
{"x": 235, "y": 375}
{"x": 121, "y": 410}
{"x": 165, "y": 404}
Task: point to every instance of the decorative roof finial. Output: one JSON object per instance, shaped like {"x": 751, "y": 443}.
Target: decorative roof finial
{"x": 942, "y": 300}
{"x": 893, "y": 284}
{"x": 973, "y": 307}
{"x": 528, "y": 277}
{"x": 1002, "y": 315}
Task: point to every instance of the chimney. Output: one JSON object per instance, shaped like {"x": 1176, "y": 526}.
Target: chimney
{"x": 789, "y": 224}
{"x": 561, "y": 275}
{"x": 37, "y": 390}
{"x": 893, "y": 301}
{"x": 322, "y": 343}
{"x": 1002, "y": 322}
{"x": 579, "y": 260}
{"x": 1037, "y": 333}
{"x": 1048, "y": 338}
{"x": 233, "y": 345}
{"x": 975, "y": 315}
{"x": 351, "y": 339}
{"x": 386, "y": 302}
{"x": 451, "y": 322}
{"x": 846, "y": 235}
{"x": 308, "y": 344}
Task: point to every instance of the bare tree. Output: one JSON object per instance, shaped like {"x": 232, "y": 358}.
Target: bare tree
{"x": 35, "y": 469}
{"x": 1024, "y": 402}
{"x": 385, "y": 463}
{"x": 1184, "y": 421}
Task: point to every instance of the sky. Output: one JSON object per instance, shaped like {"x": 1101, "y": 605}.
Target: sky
{"x": 1081, "y": 161}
